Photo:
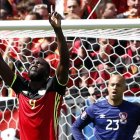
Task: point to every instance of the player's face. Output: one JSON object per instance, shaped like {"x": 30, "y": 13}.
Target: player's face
{"x": 116, "y": 88}
{"x": 39, "y": 70}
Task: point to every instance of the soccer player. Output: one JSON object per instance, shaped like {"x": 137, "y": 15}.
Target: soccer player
{"x": 113, "y": 118}
{"x": 40, "y": 98}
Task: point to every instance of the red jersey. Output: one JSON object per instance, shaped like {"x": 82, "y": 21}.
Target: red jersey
{"x": 38, "y": 116}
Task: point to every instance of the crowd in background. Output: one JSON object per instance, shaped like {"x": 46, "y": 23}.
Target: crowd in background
{"x": 83, "y": 9}
{"x": 93, "y": 59}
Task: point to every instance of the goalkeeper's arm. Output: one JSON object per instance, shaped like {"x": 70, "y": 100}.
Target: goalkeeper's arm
{"x": 78, "y": 126}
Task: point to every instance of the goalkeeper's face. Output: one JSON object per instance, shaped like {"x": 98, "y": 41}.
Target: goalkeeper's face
{"x": 116, "y": 87}
{"x": 39, "y": 70}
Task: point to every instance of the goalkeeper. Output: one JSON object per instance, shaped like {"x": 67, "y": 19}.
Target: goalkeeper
{"x": 113, "y": 118}
{"x": 40, "y": 98}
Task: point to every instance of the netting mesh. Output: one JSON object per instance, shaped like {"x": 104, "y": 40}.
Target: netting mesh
{"x": 94, "y": 56}
{"x": 120, "y": 34}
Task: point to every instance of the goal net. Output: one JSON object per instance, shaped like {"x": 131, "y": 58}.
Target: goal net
{"x": 97, "y": 48}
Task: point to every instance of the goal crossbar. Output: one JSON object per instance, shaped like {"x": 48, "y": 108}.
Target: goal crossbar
{"x": 121, "y": 29}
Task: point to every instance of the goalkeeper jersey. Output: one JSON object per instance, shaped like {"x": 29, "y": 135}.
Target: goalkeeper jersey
{"x": 38, "y": 116}
{"x": 111, "y": 122}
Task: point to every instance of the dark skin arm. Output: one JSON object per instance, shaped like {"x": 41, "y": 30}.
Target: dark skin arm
{"x": 63, "y": 67}
{"x": 6, "y": 73}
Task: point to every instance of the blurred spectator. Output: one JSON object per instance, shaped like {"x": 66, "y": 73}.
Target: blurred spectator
{"x": 72, "y": 16}
{"x": 42, "y": 9}
{"x": 133, "y": 10}
{"x": 87, "y": 7}
{"x": 121, "y": 5}
{"x": 92, "y": 96}
{"x": 49, "y": 51}
{"x": 40, "y": 6}
{"x": 22, "y": 53}
{"x": 84, "y": 81}
{"x": 53, "y": 59}
{"x": 24, "y": 46}
{"x": 85, "y": 57}
{"x": 4, "y": 15}
{"x": 33, "y": 16}
{"x": 128, "y": 64}
{"x": 5, "y": 4}
{"x": 105, "y": 52}
{"x": 73, "y": 6}
{"x": 39, "y": 1}
{"x": 23, "y": 8}
{"x": 131, "y": 57}
{"x": 106, "y": 10}
{"x": 17, "y": 8}
{"x": 51, "y": 4}
{"x": 48, "y": 45}
{"x": 81, "y": 64}
{"x": 80, "y": 54}
{"x": 80, "y": 7}
{"x": 103, "y": 62}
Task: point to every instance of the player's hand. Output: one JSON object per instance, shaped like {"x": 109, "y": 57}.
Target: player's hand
{"x": 131, "y": 12}
{"x": 55, "y": 19}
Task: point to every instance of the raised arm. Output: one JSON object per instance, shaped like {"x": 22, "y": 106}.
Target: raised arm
{"x": 6, "y": 73}
{"x": 63, "y": 67}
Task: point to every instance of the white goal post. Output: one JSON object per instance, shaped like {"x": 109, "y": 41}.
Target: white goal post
{"x": 112, "y": 27}
{"x": 85, "y": 34}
